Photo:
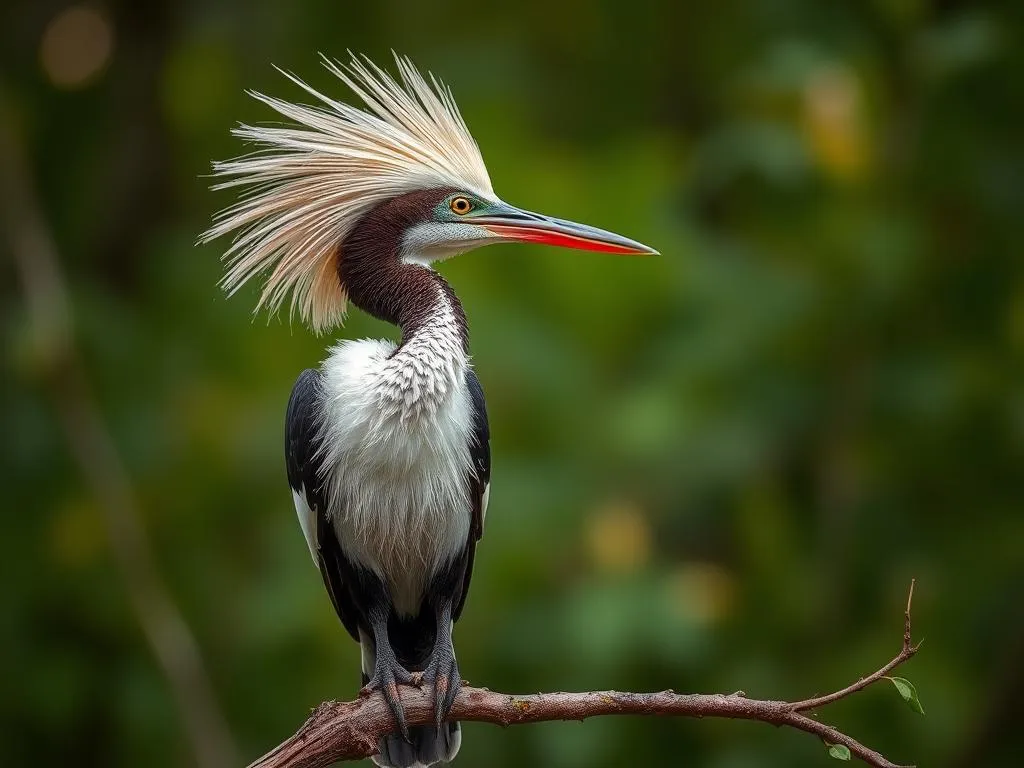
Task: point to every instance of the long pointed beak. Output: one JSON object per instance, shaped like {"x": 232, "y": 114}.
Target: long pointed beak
{"x": 516, "y": 224}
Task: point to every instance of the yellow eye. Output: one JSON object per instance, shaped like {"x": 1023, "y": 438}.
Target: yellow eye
{"x": 460, "y": 205}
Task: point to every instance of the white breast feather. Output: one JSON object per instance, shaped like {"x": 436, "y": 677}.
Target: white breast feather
{"x": 397, "y": 430}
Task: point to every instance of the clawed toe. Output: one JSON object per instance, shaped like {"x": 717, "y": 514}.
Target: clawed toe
{"x": 443, "y": 674}
{"x": 386, "y": 679}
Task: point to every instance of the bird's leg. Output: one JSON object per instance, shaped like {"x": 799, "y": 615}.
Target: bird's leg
{"x": 443, "y": 671}
{"x": 387, "y": 672}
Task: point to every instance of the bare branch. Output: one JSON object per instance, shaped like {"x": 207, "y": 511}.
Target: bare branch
{"x": 350, "y": 730}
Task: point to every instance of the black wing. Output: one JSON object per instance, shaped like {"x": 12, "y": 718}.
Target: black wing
{"x": 301, "y": 444}
{"x": 479, "y": 480}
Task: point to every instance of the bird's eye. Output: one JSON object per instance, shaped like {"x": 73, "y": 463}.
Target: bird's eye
{"x": 460, "y": 205}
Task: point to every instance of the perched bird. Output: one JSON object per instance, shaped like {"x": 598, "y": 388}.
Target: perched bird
{"x": 387, "y": 445}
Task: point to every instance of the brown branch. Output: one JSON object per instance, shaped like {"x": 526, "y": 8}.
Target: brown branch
{"x": 60, "y": 370}
{"x": 350, "y": 730}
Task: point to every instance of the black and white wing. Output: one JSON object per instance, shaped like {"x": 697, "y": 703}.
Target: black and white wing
{"x": 479, "y": 481}
{"x": 301, "y": 443}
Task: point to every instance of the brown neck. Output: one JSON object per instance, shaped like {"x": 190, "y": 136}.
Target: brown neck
{"x": 370, "y": 267}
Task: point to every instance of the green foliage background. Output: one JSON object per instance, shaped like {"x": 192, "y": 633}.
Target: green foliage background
{"x": 714, "y": 470}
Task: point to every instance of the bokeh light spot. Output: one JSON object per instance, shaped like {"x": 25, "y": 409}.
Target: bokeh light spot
{"x": 619, "y": 536}
{"x": 702, "y": 592}
{"x": 76, "y": 46}
{"x": 833, "y": 120}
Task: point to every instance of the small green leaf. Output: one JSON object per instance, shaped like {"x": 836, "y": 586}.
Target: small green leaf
{"x": 908, "y": 693}
{"x": 839, "y": 751}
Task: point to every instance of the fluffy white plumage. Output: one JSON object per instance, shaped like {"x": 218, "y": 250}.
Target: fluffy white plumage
{"x": 396, "y": 441}
{"x": 311, "y": 181}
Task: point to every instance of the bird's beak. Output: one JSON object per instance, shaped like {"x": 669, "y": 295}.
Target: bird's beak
{"x": 514, "y": 223}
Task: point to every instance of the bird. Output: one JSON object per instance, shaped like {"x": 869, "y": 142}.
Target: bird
{"x": 387, "y": 444}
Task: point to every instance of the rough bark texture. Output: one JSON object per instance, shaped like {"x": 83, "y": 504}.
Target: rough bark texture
{"x": 349, "y": 730}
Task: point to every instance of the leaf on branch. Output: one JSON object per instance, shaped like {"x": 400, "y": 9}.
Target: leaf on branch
{"x": 908, "y": 693}
{"x": 838, "y": 751}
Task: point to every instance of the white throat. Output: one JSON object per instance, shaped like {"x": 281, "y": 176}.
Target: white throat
{"x": 431, "y": 241}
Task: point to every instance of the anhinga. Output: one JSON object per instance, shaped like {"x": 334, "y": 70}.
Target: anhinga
{"x": 386, "y": 444}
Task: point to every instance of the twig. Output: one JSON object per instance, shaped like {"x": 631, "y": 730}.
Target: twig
{"x": 350, "y": 730}
{"x": 905, "y": 653}
{"x": 61, "y": 371}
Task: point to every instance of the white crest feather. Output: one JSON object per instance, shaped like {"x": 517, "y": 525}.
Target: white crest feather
{"x": 310, "y": 182}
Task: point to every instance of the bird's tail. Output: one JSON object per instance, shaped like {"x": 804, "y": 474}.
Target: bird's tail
{"x": 427, "y": 744}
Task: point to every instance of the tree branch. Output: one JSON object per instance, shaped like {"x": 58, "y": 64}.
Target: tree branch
{"x": 350, "y": 730}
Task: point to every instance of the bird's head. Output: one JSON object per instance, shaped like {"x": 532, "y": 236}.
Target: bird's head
{"x": 460, "y": 220}
{"x": 404, "y": 172}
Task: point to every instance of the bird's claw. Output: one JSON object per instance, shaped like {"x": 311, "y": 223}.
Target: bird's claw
{"x": 386, "y": 679}
{"x": 443, "y": 674}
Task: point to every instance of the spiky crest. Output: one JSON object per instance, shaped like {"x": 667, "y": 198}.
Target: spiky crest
{"x": 310, "y": 182}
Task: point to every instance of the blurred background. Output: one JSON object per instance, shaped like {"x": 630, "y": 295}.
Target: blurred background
{"x": 714, "y": 470}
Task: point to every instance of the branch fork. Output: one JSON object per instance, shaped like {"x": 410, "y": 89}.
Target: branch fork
{"x": 338, "y": 731}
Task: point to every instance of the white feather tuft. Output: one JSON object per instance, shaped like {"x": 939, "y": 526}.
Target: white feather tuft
{"x": 310, "y": 182}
